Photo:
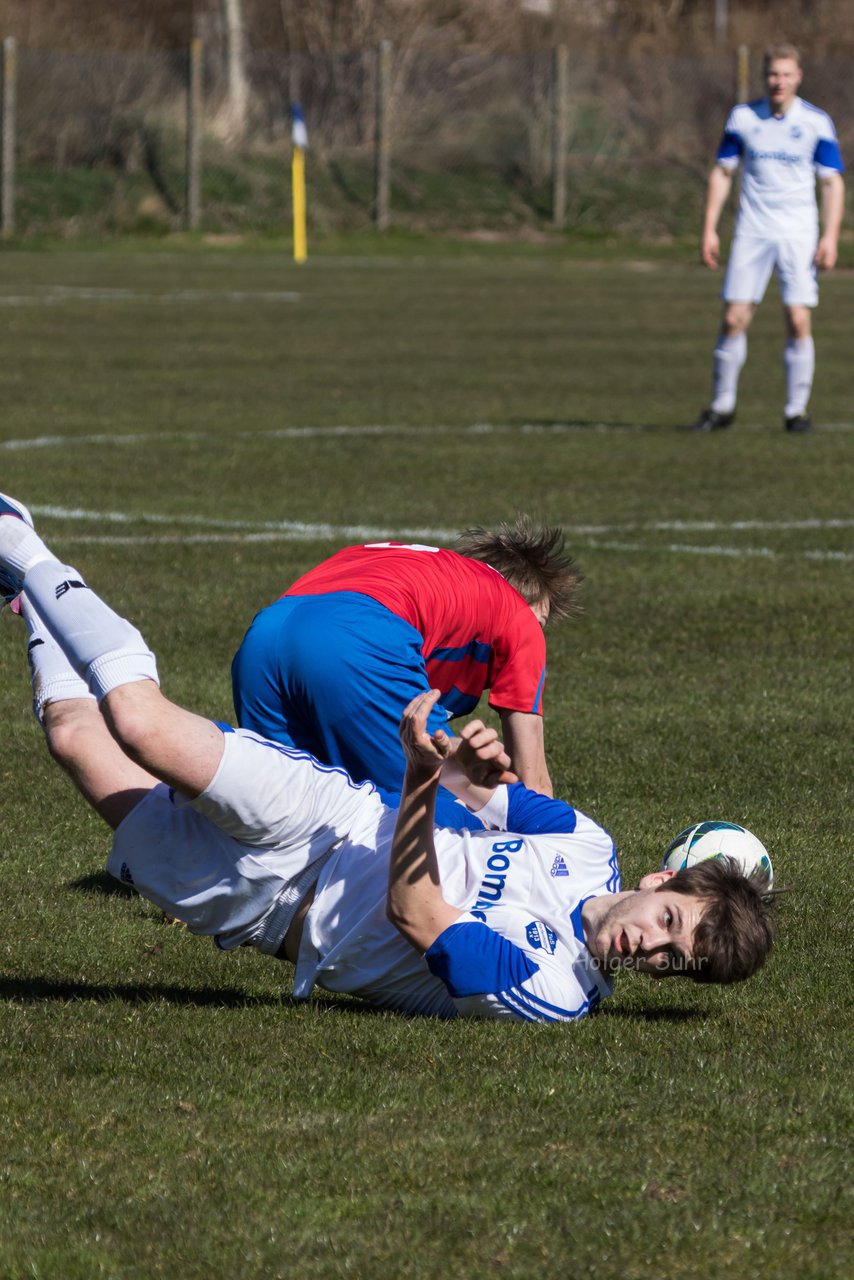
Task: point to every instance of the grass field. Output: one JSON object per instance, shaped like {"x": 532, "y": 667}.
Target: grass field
{"x": 193, "y": 430}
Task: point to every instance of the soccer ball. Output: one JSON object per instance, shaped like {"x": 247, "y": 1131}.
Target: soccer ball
{"x": 716, "y": 840}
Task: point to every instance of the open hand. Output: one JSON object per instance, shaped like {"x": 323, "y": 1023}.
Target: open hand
{"x": 482, "y": 757}
{"x": 424, "y": 751}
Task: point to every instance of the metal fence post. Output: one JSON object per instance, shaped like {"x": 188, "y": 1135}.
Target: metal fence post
{"x": 7, "y": 145}
{"x": 382, "y": 141}
{"x": 742, "y": 73}
{"x": 559, "y": 114}
{"x": 194, "y": 133}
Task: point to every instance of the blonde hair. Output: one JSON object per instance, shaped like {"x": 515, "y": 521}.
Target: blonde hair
{"x": 775, "y": 52}
{"x": 531, "y": 557}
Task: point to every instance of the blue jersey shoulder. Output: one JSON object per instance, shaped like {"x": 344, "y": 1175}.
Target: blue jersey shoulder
{"x": 532, "y": 814}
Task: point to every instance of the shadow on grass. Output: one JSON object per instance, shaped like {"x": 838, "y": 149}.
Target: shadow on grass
{"x": 102, "y": 882}
{"x": 45, "y": 990}
{"x": 38, "y": 990}
{"x": 652, "y": 1015}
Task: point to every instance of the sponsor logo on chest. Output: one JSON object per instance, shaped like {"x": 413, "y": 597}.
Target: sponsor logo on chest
{"x": 498, "y": 865}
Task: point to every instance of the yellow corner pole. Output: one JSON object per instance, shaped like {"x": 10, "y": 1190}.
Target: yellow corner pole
{"x": 298, "y": 186}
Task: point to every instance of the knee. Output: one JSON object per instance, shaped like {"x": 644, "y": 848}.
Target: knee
{"x": 135, "y": 716}
{"x": 68, "y": 728}
{"x": 736, "y": 320}
{"x": 798, "y": 325}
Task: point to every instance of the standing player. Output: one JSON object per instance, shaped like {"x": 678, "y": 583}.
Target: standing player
{"x": 782, "y": 143}
{"x": 327, "y": 667}
{"x": 258, "y": 845}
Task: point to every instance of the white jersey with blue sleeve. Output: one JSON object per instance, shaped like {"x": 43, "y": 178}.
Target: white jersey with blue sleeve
{"x": 517, "y": 952}
{"x": 780, "y": 159}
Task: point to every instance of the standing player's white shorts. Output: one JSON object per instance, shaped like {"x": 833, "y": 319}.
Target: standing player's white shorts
{"x": 752, "y": 260}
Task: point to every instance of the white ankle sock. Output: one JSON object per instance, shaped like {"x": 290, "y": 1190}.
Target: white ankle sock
{"x": 53, "y": 678}
{"x": 727, "y": 363}
{"x": 103, "y": 648}
{"x": 799, "y": 364}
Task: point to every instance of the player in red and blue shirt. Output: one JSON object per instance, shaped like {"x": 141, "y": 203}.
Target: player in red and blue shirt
{"x": 327, "y": 667}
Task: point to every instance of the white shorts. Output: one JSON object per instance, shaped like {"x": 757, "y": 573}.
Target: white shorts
{"x": 236, "y": 862}
{"x": 751, "y": 261}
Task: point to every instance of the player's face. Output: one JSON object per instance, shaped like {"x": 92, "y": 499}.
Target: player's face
{"x": 783, "y": 79}
{"x": 651, "y": 929}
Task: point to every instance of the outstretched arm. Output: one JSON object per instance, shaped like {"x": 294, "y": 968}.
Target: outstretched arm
{"x": 415, "y": 904}
{"x": 720, "y": 184}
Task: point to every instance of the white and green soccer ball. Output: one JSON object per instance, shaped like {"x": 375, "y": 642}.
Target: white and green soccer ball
{"x": 718, "y": 840}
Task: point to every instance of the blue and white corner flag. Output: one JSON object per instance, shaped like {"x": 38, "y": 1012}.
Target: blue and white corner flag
{"x": 299, "y": 133}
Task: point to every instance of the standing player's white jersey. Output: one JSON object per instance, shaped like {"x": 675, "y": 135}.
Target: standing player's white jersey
{"x": 780, "y": 158}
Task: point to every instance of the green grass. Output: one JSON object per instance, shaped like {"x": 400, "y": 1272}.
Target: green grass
{"x": 250, "y": 194}
{"x": 164, "y": 1109}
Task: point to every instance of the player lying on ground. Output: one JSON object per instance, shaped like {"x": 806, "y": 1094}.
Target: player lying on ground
{"x": 257, "y": 844}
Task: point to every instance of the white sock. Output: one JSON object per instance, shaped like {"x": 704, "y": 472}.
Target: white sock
{"x": 799, "y": 363}
{"x": 103, "y": 648}
{"x": 727, "y": 363}
{"x": 52, "y": 676}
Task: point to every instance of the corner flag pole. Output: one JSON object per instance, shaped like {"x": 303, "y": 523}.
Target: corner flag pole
{"x": 299, "y": 139}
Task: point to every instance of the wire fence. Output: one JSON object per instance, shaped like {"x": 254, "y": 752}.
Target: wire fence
{"x": 475, "y": 141}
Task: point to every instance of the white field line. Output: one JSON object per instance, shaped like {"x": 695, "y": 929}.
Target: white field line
{"x": 55, "y": 295}
{"x": 213, "y": 539}
{"x": 581, "y": 536}
{"x": 218, "y": 530}
{"x": 275, "y": 433}
{"x": 301, "y": 530}
{"x": 367, "y": 429}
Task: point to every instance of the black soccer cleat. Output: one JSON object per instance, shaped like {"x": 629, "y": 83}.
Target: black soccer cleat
{"x": 798, "y": 422}
{"x": 711, "y": 420}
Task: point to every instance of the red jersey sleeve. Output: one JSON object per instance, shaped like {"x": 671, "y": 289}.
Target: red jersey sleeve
{"x": 518, "y": 670}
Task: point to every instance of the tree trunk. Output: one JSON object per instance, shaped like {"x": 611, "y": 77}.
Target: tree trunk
{"x": 235, "y": 116}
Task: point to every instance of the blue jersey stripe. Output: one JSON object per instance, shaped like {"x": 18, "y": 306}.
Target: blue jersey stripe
{"x": 536, "y": 709}
{"x": 534, "y": 1009}
{"x": 475, "y": 649}
{"x": 536, "y": 1001}
{"x": 457, "y": 703}
{"x": 614, "y": 881}
{"x": 293, "y": 753}
{"x": 520, "y": 1013}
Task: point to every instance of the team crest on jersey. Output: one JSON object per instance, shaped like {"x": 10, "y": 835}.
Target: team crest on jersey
{"x": 559, "y": 867}
{"x": 794, "y": 132}
{"x": 540, "y": 936}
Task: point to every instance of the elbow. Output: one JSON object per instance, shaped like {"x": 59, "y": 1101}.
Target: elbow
{"x": 397, "y": 915}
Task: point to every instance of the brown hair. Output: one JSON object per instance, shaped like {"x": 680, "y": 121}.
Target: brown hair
{"x": 531, "y": 557}
{"x": 776, "y": 51}
{"x": 736, "y": 931}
